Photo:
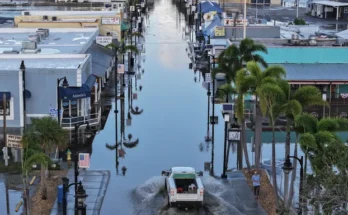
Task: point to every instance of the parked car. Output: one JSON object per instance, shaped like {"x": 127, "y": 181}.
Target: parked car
{"x": 184, "y": 187}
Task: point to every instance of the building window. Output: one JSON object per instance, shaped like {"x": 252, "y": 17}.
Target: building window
{"x": 72, "y": 108}
{"x": 8, "y": 110}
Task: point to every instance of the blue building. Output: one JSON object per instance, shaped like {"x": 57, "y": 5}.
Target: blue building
{"x": 49, "y": 55}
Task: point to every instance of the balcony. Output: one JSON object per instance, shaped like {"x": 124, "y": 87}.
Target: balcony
{"x": 69, "y": 122}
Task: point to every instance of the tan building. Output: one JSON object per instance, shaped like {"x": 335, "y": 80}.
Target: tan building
{"x": 108, "y": 22}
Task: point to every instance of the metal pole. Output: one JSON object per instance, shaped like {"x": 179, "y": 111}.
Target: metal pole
{"x": 225, "y": 146}
{"x": 116, "y": 111}
{"x": 22, "y": 67}
{"x": 301, "y": 186}
{"x": 213, "y": 126}
{"x": 209, "y": 93}
{"x": 64, "y": 199}
{"x": 244, "y": 21}
{"x": 75, "y": 164}
{"x": 58, "y": 101}
{"x": 4, "y": 106}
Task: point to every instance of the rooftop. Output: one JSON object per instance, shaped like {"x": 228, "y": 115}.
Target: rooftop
{"x": 66, "y": 13}
{"x": 331, "y": 3}
{"x": 323, "y": 72}
{"x": 59, "y": 41}
{"x": 12, "y": 62}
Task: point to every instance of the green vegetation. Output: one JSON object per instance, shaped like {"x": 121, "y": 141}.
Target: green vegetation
{"x": 326, "y": 189}
{"x": 13, "y": 167}
{"x": 299, "y": 21}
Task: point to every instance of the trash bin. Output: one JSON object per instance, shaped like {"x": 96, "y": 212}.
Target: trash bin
{"x": 60, "y": 194}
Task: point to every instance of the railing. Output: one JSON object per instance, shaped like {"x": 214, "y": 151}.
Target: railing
{"x": 338, "y": 98}
{"x": 69, "y": 122}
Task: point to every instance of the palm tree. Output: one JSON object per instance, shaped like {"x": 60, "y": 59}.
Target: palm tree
{"x": 271, "y": 96}
{"x": 49, "y": 134}
{"x": 251, "y": 80}
{"x": 303, "y": 97}
{"x": 235, "y": 57}
{"x": 32, "y": 155}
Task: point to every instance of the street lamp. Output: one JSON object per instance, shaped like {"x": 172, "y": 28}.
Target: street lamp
{"x": 226, "y": 119}
{"x": 65, "y": 85}
{"x": 208, "y": 138}
{"x": 287, "y": 168}
{"x": 80, "y": 197}
{"x": 88, "y": 134}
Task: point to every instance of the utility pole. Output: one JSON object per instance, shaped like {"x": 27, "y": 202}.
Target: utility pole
{"x": 4, "y": 112}
{"x": 244, "y": 21}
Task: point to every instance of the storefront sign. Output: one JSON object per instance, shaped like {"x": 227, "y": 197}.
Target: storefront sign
{"x": 14, "y": 141}
{"x": 111, "y": 21}
{"x": 237, "y": 22}
{"x": 79, "y": 95}
{"x": 219, "y": 31}
{"x": 120, "y": 68}
{"x": 103, "y": 40}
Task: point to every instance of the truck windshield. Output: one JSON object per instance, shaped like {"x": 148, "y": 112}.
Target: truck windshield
{"x": 184, "y": 176}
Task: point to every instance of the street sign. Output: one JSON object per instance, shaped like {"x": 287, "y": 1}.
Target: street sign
{"x": 103, "y": 40}
{"x": 208, "y": 77}
{"x": 84, "y": 160}
{"x": 14, "y": 141}
{"x": 234, "y": 135}
{"x": 120, "y": 68}
{"x": 214, "y": 120}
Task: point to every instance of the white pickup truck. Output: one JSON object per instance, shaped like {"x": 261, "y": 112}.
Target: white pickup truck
{"x": 184, "y": 187}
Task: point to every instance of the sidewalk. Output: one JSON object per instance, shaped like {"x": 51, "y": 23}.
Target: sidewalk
{"x": 95, "y": 182}
{"x": 242, "y": 197}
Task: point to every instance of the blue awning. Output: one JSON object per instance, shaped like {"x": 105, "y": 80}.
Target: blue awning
{"x": 8, "y": 95}
{"x": 208, "y": 6}
{"x": 72, "y": 93}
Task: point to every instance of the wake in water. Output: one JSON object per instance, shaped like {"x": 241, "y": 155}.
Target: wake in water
{"x": 150, "y": 198}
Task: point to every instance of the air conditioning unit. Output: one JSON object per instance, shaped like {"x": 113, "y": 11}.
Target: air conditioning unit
{"x": 26, "y": 13}
{"x": 29, "y": 45}
{"x": 45, "y": 18}
{"x": 54, "y": 18}
{"x": 46, "y": 30}
{"x": 42, "y": 34}
{"x": 34, "y": 38}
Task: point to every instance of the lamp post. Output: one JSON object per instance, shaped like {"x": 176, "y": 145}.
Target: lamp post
{"x": 208, "y": 138}
{"x": 22, "y": 68}
{"x": 88, "y": 133}
{"x": 65, "y": 85}
{"x": 287, "y": 168}
{"x": 80, "y": 197}
{"x": 226, "y": 119}
{"x": 213, "y": 122}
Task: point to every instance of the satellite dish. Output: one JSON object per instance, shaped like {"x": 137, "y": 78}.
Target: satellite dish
{"x": 208, "y": 17}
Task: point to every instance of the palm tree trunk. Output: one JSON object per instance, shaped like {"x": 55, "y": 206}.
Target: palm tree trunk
{"x": 287, "y": 152}
{"x": 274, "y": 173}
{"x": 293, "y": 178}
{"x": 43, "y": 183}
{"x": 258, "y": 134}
{"x": 244, "y": 144}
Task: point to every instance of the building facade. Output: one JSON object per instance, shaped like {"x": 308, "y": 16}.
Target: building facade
{"x": 108, "y": 22}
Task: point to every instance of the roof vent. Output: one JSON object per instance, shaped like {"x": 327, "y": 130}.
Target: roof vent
{"x": 54, "y": 18}
{"x": 29, "y": 45}
{"x": 46, "y": 30}
{"x": 42, "y": 34}
{"x": 35, "y": 38}
{"x": 26, "y": 13}
{"x": 11, "y": 52}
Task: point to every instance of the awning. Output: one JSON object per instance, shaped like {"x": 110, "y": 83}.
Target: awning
{"x": 8, "y": 95}
{"x": 72, "y": 93}
{"x": 101, "y": 59}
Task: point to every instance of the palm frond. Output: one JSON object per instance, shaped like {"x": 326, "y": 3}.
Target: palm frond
{"x": 309, "y": 96}
{"x": 37, "y": 158}
{"x": 306, "y": 123}
{"x": 130, "y": 48}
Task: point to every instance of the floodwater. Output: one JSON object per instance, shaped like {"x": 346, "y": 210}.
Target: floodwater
{"x": 170, "y": 130}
